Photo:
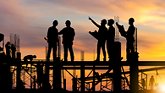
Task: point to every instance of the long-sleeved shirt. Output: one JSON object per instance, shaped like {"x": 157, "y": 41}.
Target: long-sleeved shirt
{"x": 68, "y": 35}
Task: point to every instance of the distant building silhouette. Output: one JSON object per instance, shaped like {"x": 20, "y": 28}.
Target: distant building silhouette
{"x": 101, "y": 36}
{"x": 52, "y": 39}
{"x": 68, "y": 37}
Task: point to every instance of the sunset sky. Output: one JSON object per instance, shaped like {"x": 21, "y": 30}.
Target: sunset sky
{"x": 30, "y": 19}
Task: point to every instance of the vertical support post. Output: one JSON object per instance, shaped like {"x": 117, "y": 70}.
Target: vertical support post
{"x": 18, "y": 70}
{"x": 117, "y": 67}
{"x": 93, "y": 83}
{"x": 57, "y": 76}
{"x": 64, "y": 84}
{"x": 74, "y": 84}
{"x": 82, "y": 78}
{"x": 133, "y": 58}
{"x": 3, "y": 44}
{"x": 31, "y": 78}
{"x": 59, "y": 47}
{"x": 5, "y": 74}
{"x": 64, "y": 79}
{"x": 46, "y": 76}
{"x": 146, "y": 82}
{"x": 34, "y": 82}
{"x": 39, "y": 74}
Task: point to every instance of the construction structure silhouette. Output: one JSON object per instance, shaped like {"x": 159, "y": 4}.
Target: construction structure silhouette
{"x": 31, "y": 75}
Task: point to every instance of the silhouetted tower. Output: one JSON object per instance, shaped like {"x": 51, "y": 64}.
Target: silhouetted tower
{"x": 15, "y": 44}
{"x": 15, "y": 39}
{"x": 116, "y": 19}
{"x": 16, "y": 55}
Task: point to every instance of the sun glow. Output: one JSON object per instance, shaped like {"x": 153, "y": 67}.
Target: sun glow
{"x": 161, "y": 88}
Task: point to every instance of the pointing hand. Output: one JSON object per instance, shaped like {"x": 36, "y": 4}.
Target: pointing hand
{"x": 90, "y": 18}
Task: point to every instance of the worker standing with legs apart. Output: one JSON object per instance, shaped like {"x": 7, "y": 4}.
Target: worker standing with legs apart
{"x": 101, "y": 38}
{"x": 68, "y": 37}
{"x": 52, "y": 39}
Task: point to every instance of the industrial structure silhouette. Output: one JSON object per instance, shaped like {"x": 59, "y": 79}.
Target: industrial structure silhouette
{"x": 13, "y": 70}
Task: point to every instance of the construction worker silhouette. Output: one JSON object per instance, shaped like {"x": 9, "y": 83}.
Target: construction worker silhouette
{"x": 29, "y": 58}
{"x": 52, "y": 39}
{"x": 13, "y": 50}
{"x": 110, "y": 38}
{"x": 8, "y": 48}
{"x": 129, "y": 35}
{"x": 101, "y": 38}
{"x": 68, "y": 37}
{"x": 152, "y": 82}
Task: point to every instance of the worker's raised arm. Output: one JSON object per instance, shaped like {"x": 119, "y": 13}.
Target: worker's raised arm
{"x": 94, "y": 22}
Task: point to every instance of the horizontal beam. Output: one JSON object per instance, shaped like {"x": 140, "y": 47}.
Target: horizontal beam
{"x": 91, "y": 63}
{"x": 146, "y": 70}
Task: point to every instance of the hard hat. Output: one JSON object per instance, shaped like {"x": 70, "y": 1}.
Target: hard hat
{"x": 131, "y": 20}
